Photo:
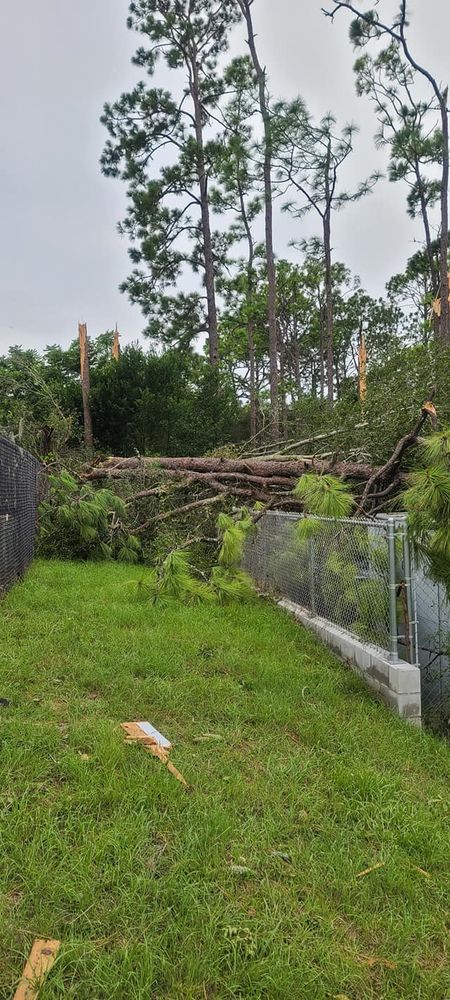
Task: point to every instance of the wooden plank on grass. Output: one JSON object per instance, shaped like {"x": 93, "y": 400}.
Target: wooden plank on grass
{"x": 149, "y": 740}
{"x": 150, "y": 730}
{"x": 144, "y": 732}
{"x": 42, "y": 957}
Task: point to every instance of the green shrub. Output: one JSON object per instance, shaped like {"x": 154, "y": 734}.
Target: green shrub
{"x": 80, "y": 522}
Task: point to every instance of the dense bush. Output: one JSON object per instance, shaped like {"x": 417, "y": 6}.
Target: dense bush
{"x": 80, "y": 522}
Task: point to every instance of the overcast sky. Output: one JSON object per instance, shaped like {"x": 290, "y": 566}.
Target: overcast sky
{"x": 62, "y": 259}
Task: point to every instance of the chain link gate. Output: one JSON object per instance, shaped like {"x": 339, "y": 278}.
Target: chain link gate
{"x": 19, "y": 497}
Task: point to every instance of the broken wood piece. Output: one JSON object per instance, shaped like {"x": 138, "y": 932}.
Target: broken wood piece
{"x": 42, "y": 956}
{"x": 163, "y": 756}
{"x": 151, "y": 731}
{"x": 144, "y": 732}
{"x": 374, "y": 868}
{"x": 420, "y": 870}
{"x": 373, "y": 960}
{"x": 150, "y": 739}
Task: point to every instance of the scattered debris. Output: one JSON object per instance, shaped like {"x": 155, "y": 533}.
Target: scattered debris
{"x": 42, "y": 956}
{"x": 374, "y": 960}
{"x": 84, "y": 756}
{"x": 241, "y": 870}
{"x": 144, "y": 732}
{"x": 148, "y": 737}
{"x": 282, "y": 856}
{"x": 420, "y": 870}
{"x": 374, "y": 868}
{"x": 4, "y": 703}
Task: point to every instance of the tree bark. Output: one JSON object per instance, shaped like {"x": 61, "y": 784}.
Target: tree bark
{"x": 85, "y": 385}
{"x": 210, "y": 284}
{"x": 328, "y": 282}
{"x": 249, "y": 304}
{"x": 290, "y": 468}
{"x": 245, "y": 6}
{"x": 444, "y": 327}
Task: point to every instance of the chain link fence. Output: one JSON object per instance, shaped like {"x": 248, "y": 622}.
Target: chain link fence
{"x": 433, "y": 647}
{"x": 19, "y": 495}
{"x": 359, "y": 575}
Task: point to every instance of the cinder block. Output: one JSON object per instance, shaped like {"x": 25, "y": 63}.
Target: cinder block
{"x": 404, "y": 679}
{"x": 379, "y": 668}
{"x": 395, "y": 684}
{"x": 363, "y": 658}
{"x": 407, "y": 706}
{"x": 373, "y": 684}
{"x": 347, "y": 649}
{"x": 334, "y": 637}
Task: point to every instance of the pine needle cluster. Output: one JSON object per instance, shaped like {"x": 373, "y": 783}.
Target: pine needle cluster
{"x": 81, "y": 522}
{"x": 176, "y": 578}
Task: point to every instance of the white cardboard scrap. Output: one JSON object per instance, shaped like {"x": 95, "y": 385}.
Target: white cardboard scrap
{"x": 150, "y": 730}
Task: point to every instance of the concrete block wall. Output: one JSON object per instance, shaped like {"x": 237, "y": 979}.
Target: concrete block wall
{"x": 395, "y": 683}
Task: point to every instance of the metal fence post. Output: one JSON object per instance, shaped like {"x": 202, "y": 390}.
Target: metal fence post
{"x": 410, "y": 596}
{"x": 393, "y": 624}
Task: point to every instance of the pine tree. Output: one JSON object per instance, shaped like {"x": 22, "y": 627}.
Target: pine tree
{"x": 168, "y": 221}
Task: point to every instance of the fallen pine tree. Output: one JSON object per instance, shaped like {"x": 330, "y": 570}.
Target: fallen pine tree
{"x": 268, "y": 483}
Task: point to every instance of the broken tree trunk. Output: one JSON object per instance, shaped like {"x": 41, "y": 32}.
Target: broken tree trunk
{"x": 85, "y": 385}
{"x": 220, "y": 467}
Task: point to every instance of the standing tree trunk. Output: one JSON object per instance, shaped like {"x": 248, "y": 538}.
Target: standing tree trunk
{"x": 85, "y": 385}
{"x": 296, "y": 361}
{"x": 322, "y": 350}
{"x": 253, "y": 390}
{"x": 329, "y": 317}
{"x": 210, "y": 285}
{"x": 245, "y": 6}
{"x": 444, "y": 329}
{"x": 282, "y": 383}
{"x": 249, "y": 305}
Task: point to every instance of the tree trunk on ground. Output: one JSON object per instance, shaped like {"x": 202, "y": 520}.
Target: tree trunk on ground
{"x": 213, "y": 335}
{"x": 292, "y": 468}
{"x": 268, "y": 202}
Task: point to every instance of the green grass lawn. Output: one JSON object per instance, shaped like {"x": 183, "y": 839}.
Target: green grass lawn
{"x": 247, "y": 886}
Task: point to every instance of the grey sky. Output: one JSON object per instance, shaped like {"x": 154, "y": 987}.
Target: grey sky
{"x": 61, "y": 257}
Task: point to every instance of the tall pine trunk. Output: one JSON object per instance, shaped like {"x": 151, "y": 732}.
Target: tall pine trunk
{"x": 444, "y": 329}
{"x": 249, "y": 306}
{"x": 85, "y": 386}
{"x": 329, "y": 317}
{"x": 210, "y": 284}
{"x": 268, "y": 205}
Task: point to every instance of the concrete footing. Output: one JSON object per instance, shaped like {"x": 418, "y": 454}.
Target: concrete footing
{"x": 395, "y": 683}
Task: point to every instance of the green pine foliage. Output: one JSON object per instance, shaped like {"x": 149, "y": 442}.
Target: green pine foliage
{"x": 81, "y": 522}
{"x": 324, "y": 495}
{"x": 174, "y": 577}
{"x": 427, "y": 501}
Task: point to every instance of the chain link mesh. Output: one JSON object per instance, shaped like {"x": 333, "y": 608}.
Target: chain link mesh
{"x": 19, "y": 488}
{"x": 339, "y": 570}
{"x": 343, "y": 571}
{"x": 433, "y": 645}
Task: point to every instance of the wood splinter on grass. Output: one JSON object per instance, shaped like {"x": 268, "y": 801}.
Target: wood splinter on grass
{"x": 42, "y": 956}
{"x": 147, "y": 736}
{"x": 374, "y": 868}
